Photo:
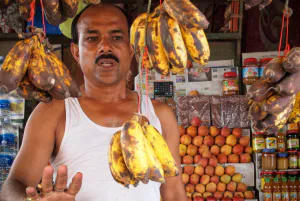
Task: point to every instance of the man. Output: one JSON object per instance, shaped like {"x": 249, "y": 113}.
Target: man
{"x": 74, "y": 134}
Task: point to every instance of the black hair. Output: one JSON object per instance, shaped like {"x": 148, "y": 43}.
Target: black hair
{"x": 74, "y": 30}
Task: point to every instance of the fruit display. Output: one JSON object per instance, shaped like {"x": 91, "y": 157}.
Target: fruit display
{"x": 139, "y": 152}
{"x": 172, "y": 36}
{"x": 273, "y": 98}
{"x": 35, "y": 71}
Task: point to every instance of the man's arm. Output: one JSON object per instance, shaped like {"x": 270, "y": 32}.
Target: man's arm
{"x": 173, "y": 188}
{"x": 35, "y": 152}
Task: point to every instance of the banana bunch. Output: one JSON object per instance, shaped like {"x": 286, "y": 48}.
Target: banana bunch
{"x": 174, "y": 34}
{"x": 56, "y": 11}
{"x": 275, "y": 98}
{"x": 35, "y": 72}
{"x": 138, "y": 152}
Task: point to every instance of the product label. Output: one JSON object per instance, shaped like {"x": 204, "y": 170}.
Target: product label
{"x": 230, "y": 85}
{"x": 292, "y": 127}
{"x": 285, "y": 196}
{"x": 280, "y": 145}
{"x": 293, "y": 143}
{"x": 271, "y": 143}
{"x": 268, "y": 197}
{"x": 251, "y": 72}
{"x": 261, "y": 71}
{"x": 277, "y": 196}
{"x": 6, "y": 160}
{"x": 293, "y": 196}
{"x": 293, "y": 162}
{"x": 258, "y": 144}
{"x": 8, "y": 139}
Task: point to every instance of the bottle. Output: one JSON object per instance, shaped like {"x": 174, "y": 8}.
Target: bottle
{"x": 277, "y": 188}
{"x": 284, "y": 188}
{"x": 230, "y": 84}
{"x": 280, "y": 142}
{"x": 250, "y": 71}
{"x": 292, "y": 186}
{"x": 268, "y": 190}
{"x": 298, "y": 187}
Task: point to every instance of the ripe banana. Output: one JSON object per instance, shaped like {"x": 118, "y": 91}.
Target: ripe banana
{"x": 176, "y": 70}
{"x": 23, "y": 2}
{"x": 39, "y": 73}
{"x": 26, "y": 89}
{"x": 156, "y": 51}
{"x": 42, "y": 96}
{"x": 255, "y": 111}
{"x": 295, "y": 114}
{"x": 197, "y": 45}
{"x": 15, "y": 65}
{"x": 141, "y": 119}
{"x": 155, "y": 167}
{"x": 276, "y": 103}
{"x": 134, "y": 26}
{"x": 117, "y": 165}
{"x": 186, "y": 13}
{"x": 161, "y": 150}
{"x": 134, "y": 150}
{"x": 172, "y": 41}
{"x": 139, "y": 44}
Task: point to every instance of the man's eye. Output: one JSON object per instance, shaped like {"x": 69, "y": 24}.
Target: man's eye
{"x": 92, "y": 39}
{"x": 117, "y": 37}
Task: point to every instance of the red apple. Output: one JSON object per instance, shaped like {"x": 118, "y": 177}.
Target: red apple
{"x": 211, "y": 198}
{"x": 203, "y": 131}
{"x": 196, "y": 121}
{"x": 197, "y": 159}
{"x": 192, "y": 131}
{"x": 198, "y": 140}
{"x": 208, "y": 140}
{"x": 186, "y": 139}
{"x": 198, "y": 198}
{"x": 237, "y": 132}
{"x": 192, "y": 150}
{"x": 225, "y": 132}
{"x": 194, "y": 179}
{"x": 187, "y": 159}
{"x": 181, "y": 130}
{"x": 214, "y": 131}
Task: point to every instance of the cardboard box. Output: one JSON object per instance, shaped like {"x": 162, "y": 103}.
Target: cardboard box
{"x": 247, "y": 170}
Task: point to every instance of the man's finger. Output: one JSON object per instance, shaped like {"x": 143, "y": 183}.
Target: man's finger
{"x": 61, "y": 178}
{"x": 47, "y": 182}
{"x": 75, "y": 185}
{"x": 32, "y": 193}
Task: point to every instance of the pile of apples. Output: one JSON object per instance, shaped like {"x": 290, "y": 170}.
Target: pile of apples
{"x": 202, "y": 145}
{"x": 214, "y": 183}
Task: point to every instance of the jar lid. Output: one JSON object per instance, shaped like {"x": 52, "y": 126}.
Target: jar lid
{"x": 230, "y": 74}
{"x": 292, "y": 132}
{"x": 292, "y": 152}
{"x": 258, "y": 133}
{"x": 265, "y": 60}
{"x": 250, "y": 60}
{"x": 280, "y": 172}
{"x": 269, "y": 150}
{"x": 283, "y": 155}
{"x": 293, "y": 172}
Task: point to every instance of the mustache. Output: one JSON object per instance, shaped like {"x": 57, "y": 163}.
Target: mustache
{"x": 107, "y": 56}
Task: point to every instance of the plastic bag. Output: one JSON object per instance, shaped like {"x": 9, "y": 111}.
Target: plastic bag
{"x": 215, "y": 108}
{"x": 199, "y": 106}
{"x": 244, "y": 109}
{"x": 183, "y": 110}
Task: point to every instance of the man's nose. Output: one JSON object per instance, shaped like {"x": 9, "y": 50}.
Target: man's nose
{"x": 105, "y": 45}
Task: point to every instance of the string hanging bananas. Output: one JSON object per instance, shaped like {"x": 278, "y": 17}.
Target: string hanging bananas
{"x": 139, "y": 153}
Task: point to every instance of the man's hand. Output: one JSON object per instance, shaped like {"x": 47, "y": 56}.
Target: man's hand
{"x": 59, "y": 191}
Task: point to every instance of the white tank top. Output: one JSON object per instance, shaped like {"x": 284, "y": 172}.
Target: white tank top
{"x": 84, "y": 149}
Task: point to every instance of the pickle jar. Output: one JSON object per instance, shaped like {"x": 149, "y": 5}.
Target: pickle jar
{"x": 258, "y": 142}
{"x": 292, "y": 141}
{"x": 282, "y": 161}
{"x": 250, "y": 71}
{"x": 293, "y": 159}
{"x": 268, "y": 159}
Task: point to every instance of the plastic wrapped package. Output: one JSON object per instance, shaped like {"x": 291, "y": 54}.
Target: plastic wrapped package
{"x": 200, "y": 106}
{"x": 183, "y": 110}
{"x": 244, "y": 109}
{"x": 215, "y": 108}
{"x": 230, "y": 111}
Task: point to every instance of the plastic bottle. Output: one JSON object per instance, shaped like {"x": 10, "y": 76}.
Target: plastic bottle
{"x": 292, "y": 186}
{"x": 284, "y": 188}
{"x": 298, "y": 187}
{"x": 277, "y": 188}
{"x": 268, "y": 190}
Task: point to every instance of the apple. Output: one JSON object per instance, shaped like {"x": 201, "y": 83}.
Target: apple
{"x": 188, "y": 169}
{"x": 203, "y": 131}
{"x": 238, "y": 149}
{"x": 196, "y": 121}
{"x": 198, "y": 140}
{"x": 192, "y": 150}
{"x": 222, "y": 158}
{"x": 185, "y": 139}
{"x": 203, "y": 162}
{"x": 194, "y": 179}
{"x": 199, "y": 170}
{"x": 244, "y": 141}
{"x": 211, "y": 198}
{"x": 181, "y": 130}
{"x": 214, "y": 131}
{"x": 198, "y": 198}
{"x": 220, "y": 140}
{"x": 192, "y": 131}
{"x": 185, "y": 178}
{"x": 182, "y": 150}
{"x": 225, "y": 132}
{"x": 231, "y": 140}
{"x": 197, "y": 159}
{"x": 208, "y": 141}
{"x": 187, "y": 159}
{"x": 237, "y": 132}
{"x": 190, "y": 188}
{"x": 203, "y": 148}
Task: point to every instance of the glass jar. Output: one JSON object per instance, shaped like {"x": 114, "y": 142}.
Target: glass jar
{"x": 250, "y": 71}
{"x": 281, "y": 142}
{"x": 293, "y": 159}
{"x": 262, "y": 63}
{"x": 292, "y": 141}
{"x": 282, "y": 161}
{"x": 271, "y": 142}
{"x": 268, "y": 159}
{"x": 258, "y": 142}
{"x": 230, "y": 84}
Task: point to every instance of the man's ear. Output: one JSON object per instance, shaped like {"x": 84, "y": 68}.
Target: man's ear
{"x": 75, "y": 51}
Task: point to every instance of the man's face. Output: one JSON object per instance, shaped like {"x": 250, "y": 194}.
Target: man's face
{"x": 104, "y": 51}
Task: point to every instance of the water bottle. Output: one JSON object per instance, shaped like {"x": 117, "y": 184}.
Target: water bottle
{"x": 8, "y": 142}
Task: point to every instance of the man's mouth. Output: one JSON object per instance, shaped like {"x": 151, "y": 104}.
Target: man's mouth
{"x": 107, "y": 63}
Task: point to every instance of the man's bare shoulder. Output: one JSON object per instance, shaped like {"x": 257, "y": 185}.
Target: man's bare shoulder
{"x": 161, "y": 108}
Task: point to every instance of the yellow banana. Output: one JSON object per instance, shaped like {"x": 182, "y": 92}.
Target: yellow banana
{"x": 139, "y": 44}
{"x": 176, "y": 70}
{"x": 117, "y": 165}
{"x": 141, "y": 119}
{"x": 155, "y": 167}
{"x": 196, "y": 44}
{"x": 172, "y": 41}
{"x": 134, "y": 152}
{"x": 161, "y": 150}
{"x": 134, "y": 26}
{"x": 186, "y": 13}
{"x": 295, "y": 114}
{"x": 156, "y": 51}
